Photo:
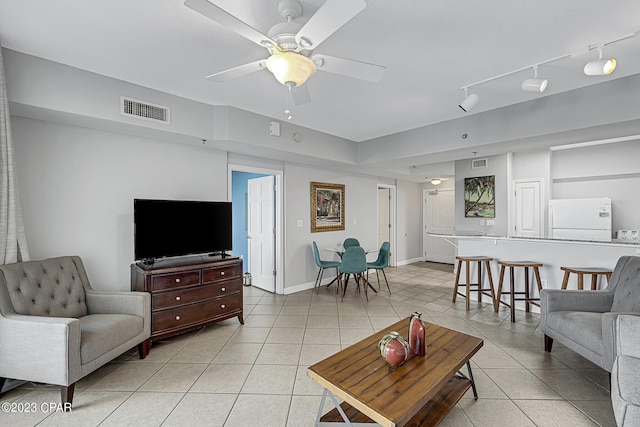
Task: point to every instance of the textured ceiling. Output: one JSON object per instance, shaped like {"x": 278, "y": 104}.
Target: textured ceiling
{"x": 430, "y": 49}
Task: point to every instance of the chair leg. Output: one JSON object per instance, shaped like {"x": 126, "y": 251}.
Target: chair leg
{"x": 378, "y": 278}
{"x": 548, "y": 343}
{"x": 144, "y": 347}
{"x": 316, "y": 285}
{"x": 387, "y": 282}
{"x": 66, "y": 393}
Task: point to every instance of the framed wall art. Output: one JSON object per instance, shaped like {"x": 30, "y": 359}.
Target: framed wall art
{"x": 479, "y": 197}
{"x": 327, "y": 207}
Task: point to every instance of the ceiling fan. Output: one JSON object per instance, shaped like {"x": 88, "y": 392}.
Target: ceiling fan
{"x": 291, "y": 45}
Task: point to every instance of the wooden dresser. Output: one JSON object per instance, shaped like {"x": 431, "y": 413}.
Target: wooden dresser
{"x": 189, "y": 293}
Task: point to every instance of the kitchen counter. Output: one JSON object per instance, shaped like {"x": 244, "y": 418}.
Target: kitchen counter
{"x": 553, "y": 253}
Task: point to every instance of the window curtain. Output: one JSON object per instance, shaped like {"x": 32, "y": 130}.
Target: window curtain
{"x": 13, "y": 242}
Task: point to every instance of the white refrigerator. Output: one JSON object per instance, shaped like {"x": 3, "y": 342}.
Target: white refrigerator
{"x": 580, "y": 219}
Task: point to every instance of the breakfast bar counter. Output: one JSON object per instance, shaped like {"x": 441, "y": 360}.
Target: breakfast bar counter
{"x": 553, "y": 253}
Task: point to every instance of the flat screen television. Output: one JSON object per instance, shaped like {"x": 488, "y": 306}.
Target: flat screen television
{"x": 170, "y": 228}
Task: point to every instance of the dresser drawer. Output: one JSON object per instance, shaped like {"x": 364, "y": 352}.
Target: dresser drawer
{"x": 179, "y": 317}
{"x": 221, "y": 273}
{"x": 162, "y": 300}
{"x": 175, "y": 280}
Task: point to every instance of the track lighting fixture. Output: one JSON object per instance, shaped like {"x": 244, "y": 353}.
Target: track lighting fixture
{"x": 535, "y": 84}
{"x": 469, "y": 101}
{"x": 601, "y": 67}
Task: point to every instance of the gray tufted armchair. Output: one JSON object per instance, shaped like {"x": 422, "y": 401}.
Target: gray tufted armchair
{"x": 55, "y": 329}
{"x": 585, "y": 321}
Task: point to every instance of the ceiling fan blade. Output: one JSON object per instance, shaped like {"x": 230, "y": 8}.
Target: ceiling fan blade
{"x": 349, "y": 68}
{"x": 242, "y": 70}
{"x": 300, "y": 95}
{"x": 226, "y": 19}
{"x": 327, "y": 20}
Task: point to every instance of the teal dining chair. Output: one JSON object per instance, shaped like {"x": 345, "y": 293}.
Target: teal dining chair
{"x": 380, "y": 264}
{"x": 322, "y": 265}
{"x": 351, "y": 241}
{"x": 354, "y": 261}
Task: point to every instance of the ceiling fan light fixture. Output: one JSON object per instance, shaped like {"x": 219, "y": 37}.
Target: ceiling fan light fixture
{"x": 291, "y": 67}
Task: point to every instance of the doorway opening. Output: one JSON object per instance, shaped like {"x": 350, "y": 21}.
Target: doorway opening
{"x": 439, "y": 217}
{"x": 387, "y": 219}
{"x": 256, "y": 195}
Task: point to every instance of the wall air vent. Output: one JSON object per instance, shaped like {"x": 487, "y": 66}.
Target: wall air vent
{"x": 479, "y": 163}
{"x": 144, "y": 110}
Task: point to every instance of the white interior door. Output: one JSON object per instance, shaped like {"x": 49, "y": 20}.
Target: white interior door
{"x": 439, "y": 217}
{"x": 384, "y": 217}
{"x": 528, "y": 209}
{"x": 261, "y": 232}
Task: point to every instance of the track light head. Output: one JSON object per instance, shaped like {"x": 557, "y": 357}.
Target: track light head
{"x": 469, "y": 102}
{"x": 535, "y": 85}
{"x": 601, "y": 67}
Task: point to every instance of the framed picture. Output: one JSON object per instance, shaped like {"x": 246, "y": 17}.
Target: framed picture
{"x": 327, "y": 207}
{"x": 479, "y": 197}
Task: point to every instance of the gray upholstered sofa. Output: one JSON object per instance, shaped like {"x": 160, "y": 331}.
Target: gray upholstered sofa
{"x": 55, "y": 329}
{"x": 585, "y": 321}
{"x": 625, "y": 376}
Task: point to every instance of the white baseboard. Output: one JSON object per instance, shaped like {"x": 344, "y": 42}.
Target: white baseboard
{"x": 408, "y": 261}
{"x": 304, "y": 286}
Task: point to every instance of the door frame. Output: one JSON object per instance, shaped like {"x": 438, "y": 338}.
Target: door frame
{"x": 392, "y": 220}
{"x": 278, "y": 217}
{"x": 542, "y": 201}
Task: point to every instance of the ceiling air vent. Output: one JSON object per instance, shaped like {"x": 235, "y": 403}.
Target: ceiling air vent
{"x": 479, "y": 163}
{"x": 144, "y": 110}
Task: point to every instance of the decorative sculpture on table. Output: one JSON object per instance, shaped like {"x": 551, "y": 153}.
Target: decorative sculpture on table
{"x": 394, "y": 349}
{"x": 417, "y": 335}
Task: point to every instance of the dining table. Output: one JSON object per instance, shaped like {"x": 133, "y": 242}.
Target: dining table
{"x": 339, "y": 249}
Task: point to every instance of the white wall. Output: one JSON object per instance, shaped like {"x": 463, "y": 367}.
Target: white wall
{"x": 409, "y": 221}
{"x": 361, "y": 199}
{"x": 498, "y": 166}
{"x": 609, "y": 170}
{"x": 77, "y": 187}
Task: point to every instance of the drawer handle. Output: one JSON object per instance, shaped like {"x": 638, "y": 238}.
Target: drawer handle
{"x": 177, "y": 280}
{"x": 178, "y": 298}
{"x": 224, "y": 289}
{"x": 223, "y": 306}
{"x": 222, "y": 273}
{"x": 177, "y": 317}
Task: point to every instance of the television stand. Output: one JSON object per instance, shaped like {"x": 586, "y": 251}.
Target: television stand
{"x": 190, "y": 293}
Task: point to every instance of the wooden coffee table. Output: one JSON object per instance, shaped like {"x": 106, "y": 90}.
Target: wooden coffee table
{"x": 421, "y": 392}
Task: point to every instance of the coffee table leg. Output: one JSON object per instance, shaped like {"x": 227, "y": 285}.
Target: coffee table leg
{"x": 346, "y": 422}
{"x": 470, "y": 378}
{"x": 473, "y": 383}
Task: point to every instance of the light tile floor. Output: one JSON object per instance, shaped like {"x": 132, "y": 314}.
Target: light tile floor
{"x": 255, "y": 375}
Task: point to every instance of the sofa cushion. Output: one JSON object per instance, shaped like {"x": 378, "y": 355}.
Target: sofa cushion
{"x": 100, "y": 333}
{"x": 52, "y": 287}
{"x": 627, "y": 290}
{"x": 581, "y": 327}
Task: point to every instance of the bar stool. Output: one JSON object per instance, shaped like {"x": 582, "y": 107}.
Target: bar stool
{"x": 479, "y": 289}
{"x": 593, "y": 271}
{"x": 512, "y": 293}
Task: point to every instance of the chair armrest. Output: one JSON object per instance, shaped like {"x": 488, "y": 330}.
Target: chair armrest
{"x": 104, "y": 302}
{"x": 628, "y": 332}
{"x": 610, "y": 335}
{"x": 42, "y": 349}
{"x": 569, "y": 300}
